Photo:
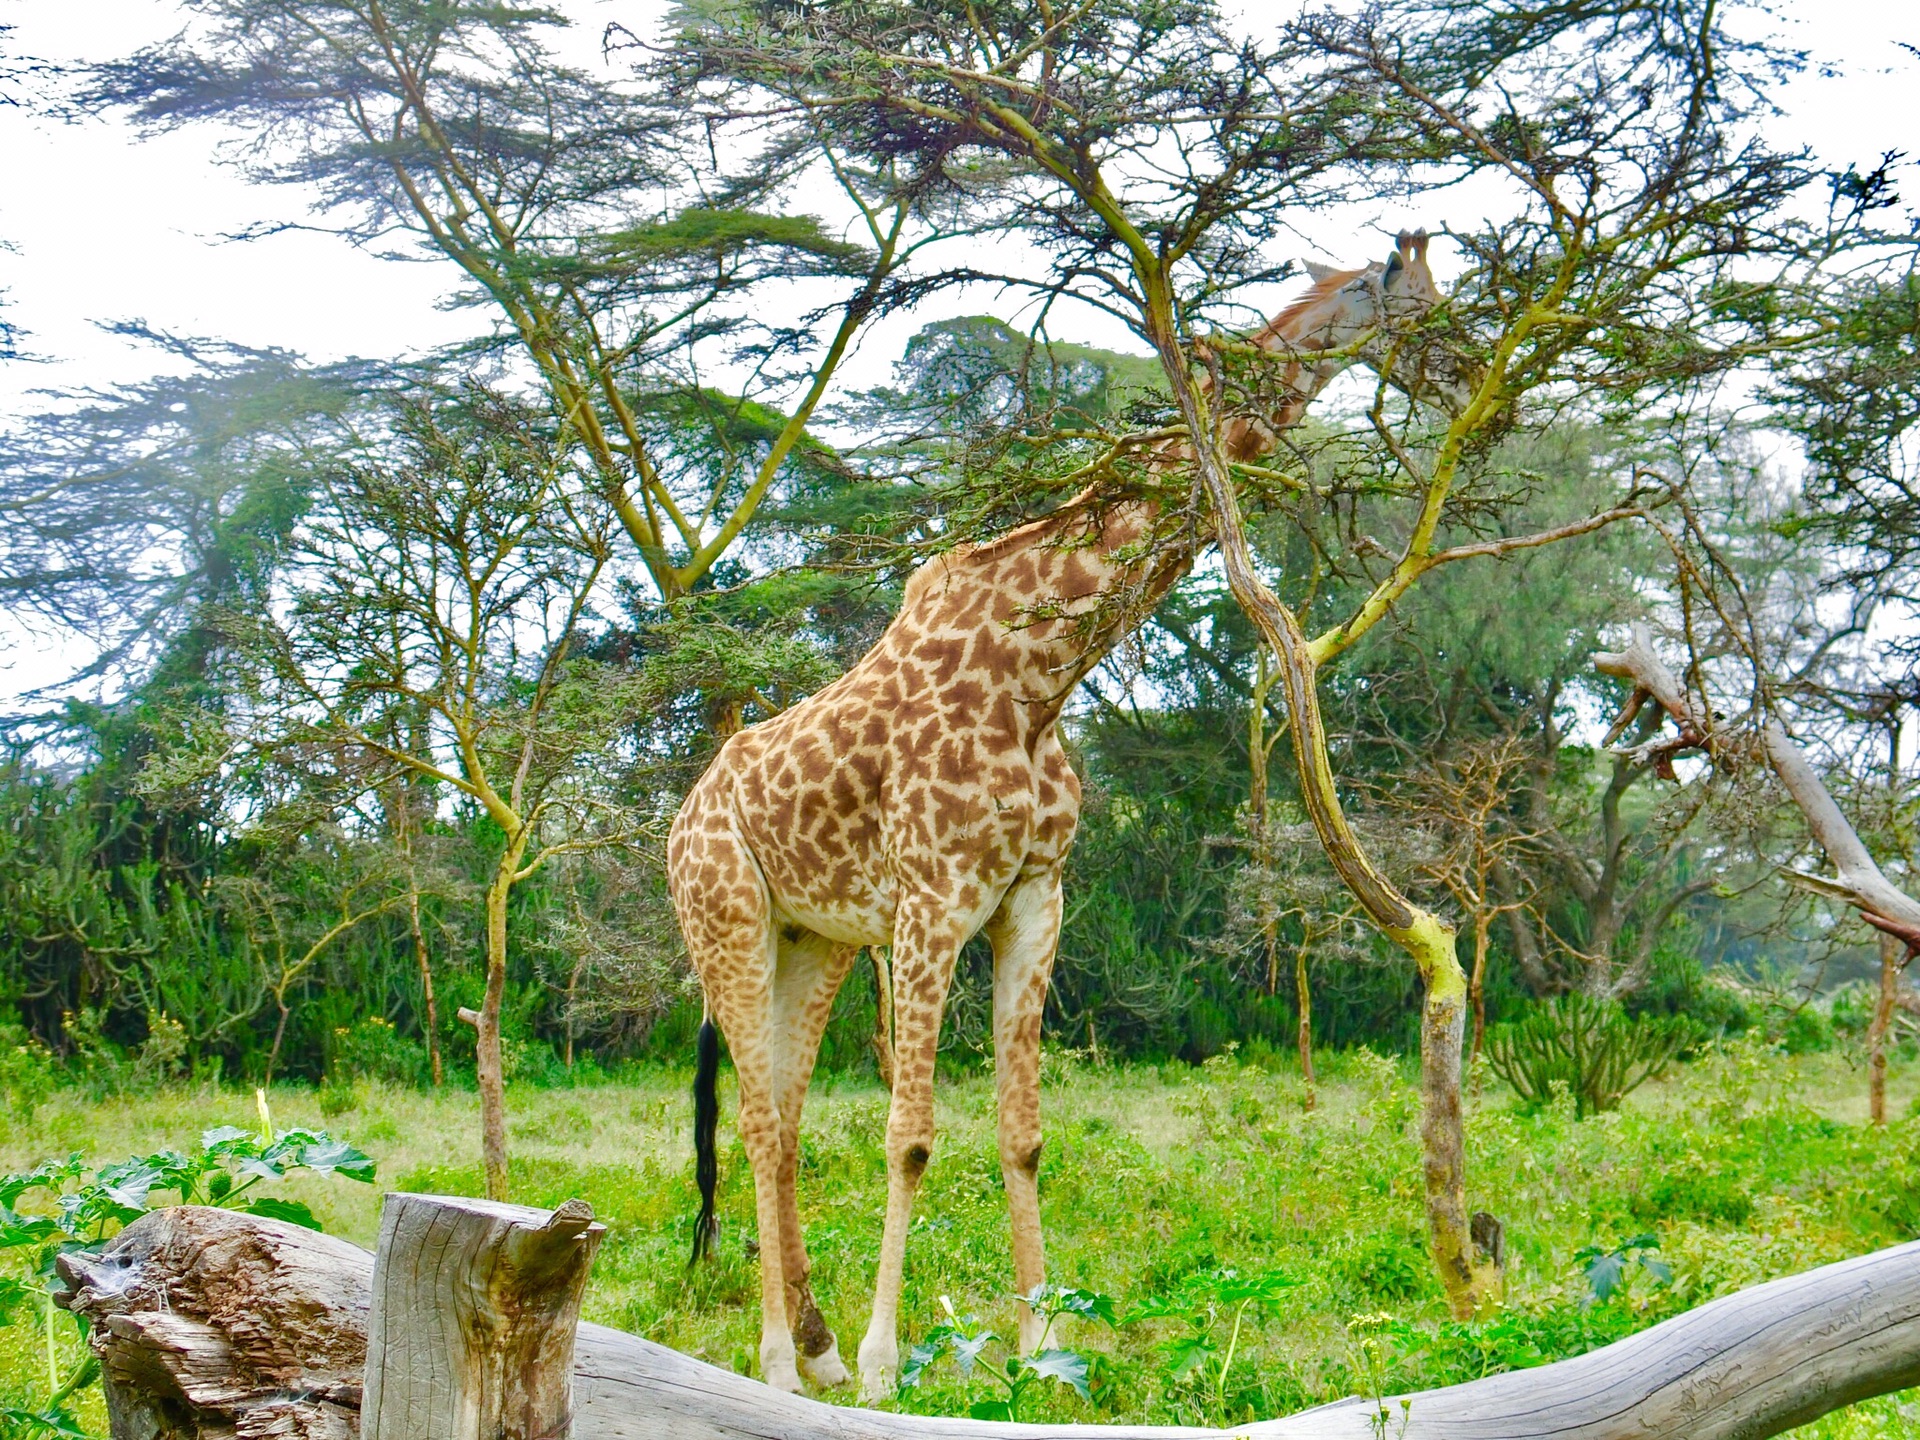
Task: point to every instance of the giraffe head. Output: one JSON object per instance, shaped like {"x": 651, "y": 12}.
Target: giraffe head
{"x": 1400, "y": 288}
{"x": 1376, "y": 307}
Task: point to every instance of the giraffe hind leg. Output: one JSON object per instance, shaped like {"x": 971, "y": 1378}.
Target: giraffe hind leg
{"x": 809, "y": 974}
{"x": 725, "y": 916}
{"x": 1024, "y": 931}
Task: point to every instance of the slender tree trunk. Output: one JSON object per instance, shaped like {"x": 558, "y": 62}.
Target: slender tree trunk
{"x": 487, "y": 1063}
{"x": 1303, "y": 995}
{"x": 1476, "y": 986}
{"x": 424, "y": 961}
{"x": 882, "y": 1039}
{"x": 573, "y": 999}
{"x": 1427, "y": 939}
{"x": 1257, "y": 820}
{"x": 279, "y": 1034}
{"x": 1891, "y": 950}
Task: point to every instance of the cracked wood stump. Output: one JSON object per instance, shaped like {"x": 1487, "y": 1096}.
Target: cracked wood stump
{"x": 475, "y": 1304}
{"x": 211, "y": 1324}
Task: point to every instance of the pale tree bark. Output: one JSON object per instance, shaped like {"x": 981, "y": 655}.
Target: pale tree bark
{"x": 490, "y": 1071}
{"x": 1857, "y": 882}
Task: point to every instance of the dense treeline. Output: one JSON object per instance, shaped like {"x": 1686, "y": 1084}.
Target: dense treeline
{"x": 398, "y": 668}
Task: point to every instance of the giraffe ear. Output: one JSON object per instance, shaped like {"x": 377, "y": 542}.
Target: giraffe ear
{"x": 1395, "y": 264}
{"x": 1317, "y": 270}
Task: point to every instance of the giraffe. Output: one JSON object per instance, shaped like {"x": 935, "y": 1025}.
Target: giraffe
{"x": 920, "y": 798}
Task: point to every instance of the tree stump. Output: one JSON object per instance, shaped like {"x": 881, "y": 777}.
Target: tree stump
{"x": 475, "y": 1304}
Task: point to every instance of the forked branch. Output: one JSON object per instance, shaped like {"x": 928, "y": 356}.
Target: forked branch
{"x": 1858, "y": 881}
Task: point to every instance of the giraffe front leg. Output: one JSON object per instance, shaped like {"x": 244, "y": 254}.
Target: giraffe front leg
{"x": 1025, "y": 931}
{"x": 923, "y": 959}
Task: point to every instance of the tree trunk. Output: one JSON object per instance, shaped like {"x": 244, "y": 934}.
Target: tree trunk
{"x": 882, "y": 1038}
{"x": 1476, "y": 986}
{"x": 1426, "y": 938}
{"x": 471, "y": 1331}
{"x": 1891, "y": 953}
{"x": 487, "y": 1061}
{"x": 279, "y": 1034}
{"x": 213, "y": 1325}
{"x": 1303, "y": 994}
{"x": 423, "y": 960}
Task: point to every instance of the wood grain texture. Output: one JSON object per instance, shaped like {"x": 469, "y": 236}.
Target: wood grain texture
{"x": 1742, "y": 1367}
{"x": 211, "y": 1323}
{"x": 471, "y": 1332}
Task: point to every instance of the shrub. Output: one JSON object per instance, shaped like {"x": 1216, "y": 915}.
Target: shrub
{"x": 1807, "y": 1029}
{"x": 27, "y": 1075}
{"x": 371, "y": 1049}
{"x": 1588, "y": 1046}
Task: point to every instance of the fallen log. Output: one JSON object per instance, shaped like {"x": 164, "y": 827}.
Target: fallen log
{"x": 213, "y": 1324}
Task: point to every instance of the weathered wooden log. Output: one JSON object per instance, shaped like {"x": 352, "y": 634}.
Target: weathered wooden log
{"x": 1745, "y": 1366}
{"x": 475, "y": 1305}
{"x": 209, "y": 1323}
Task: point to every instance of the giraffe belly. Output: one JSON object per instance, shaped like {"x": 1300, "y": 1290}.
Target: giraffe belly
{"x": 856, "y": 903}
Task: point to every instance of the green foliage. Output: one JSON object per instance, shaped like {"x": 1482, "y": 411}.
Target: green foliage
{"x": 27, "y": 1073}
{"x": 1205, "y": 1304}
{"x": 1589, "y": 1049}
{"x": 1607, "y": 1269}
{"x": 965, "y": 1339}
{"x": 69, "y": 1206}
{"x": 373, "y": 1049}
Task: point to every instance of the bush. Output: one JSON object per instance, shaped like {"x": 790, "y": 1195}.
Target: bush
{"x": 1806, "y": 1030}
{"x": 1590, "y": 1047}
{"x": 371, "y": 1049}
{"x": 27, "y": 1074}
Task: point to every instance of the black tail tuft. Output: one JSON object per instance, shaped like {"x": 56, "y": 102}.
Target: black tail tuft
{"x": 706, "y": 1124}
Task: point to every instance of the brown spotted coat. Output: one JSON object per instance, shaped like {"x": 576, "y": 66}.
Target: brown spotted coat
{"x": 921, "y": 798}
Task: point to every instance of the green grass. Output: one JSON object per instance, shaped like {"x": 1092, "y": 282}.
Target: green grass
{"x": 1745, "y": 1166}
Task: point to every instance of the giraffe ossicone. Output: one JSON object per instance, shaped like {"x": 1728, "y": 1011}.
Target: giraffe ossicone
{"x": 924, "y": 797}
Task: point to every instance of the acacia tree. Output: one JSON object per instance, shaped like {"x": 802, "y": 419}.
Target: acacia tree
{"x": 1149, "y": 154}
{"x": 621, "y": 266}
{"x": 441, "y": 589}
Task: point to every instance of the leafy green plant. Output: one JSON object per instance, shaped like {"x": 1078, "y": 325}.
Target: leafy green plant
{"x": 27, "y": 1074}
{"x": 1206, "y": 1304}
{"x": 372, "y": 1049}
{"x": 1607, "y": 1270}
{"x": 73, "y": 1207}
{"x": 1590, "y": 1046}
{"x": 1367, "y": 1339}
{"x": 965, "y": 1339}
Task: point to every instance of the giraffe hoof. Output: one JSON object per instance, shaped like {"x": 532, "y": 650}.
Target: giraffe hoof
{"x": 826, "y": 1369}
{"x": 776, "y": 1365}
{"x": 879, "y": 1360}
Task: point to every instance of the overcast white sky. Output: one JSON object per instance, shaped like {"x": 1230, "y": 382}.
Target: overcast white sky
{"x": 104, "y": 226}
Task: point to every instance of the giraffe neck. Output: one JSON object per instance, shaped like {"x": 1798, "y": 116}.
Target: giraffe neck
{"x": 1067, "y": 588}
{"x": 1324, "y": 319}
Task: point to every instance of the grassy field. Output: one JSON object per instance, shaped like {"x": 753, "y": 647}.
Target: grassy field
{"x": 1744, "y": 1166}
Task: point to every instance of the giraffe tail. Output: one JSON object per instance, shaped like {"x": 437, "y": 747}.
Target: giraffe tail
{"x": 706, "y": 1124}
